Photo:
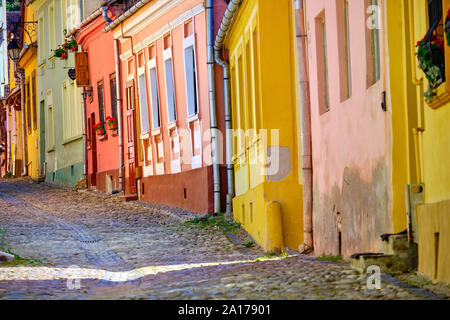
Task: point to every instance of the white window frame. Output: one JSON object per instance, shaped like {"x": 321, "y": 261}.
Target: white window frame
{"x": 167, "y": 54}
{"x": 190, "y": 42}
{"x": 141, "y": 72}
{"x": 41, "y": 38}
{"x": 152, "y": 65}
{"x": 52, "y": 40}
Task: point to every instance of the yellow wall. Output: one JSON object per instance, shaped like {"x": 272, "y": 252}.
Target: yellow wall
{"x": 263, "y": 85}
{"x": 425, "y": 158}
{"x": 29, "y": 63}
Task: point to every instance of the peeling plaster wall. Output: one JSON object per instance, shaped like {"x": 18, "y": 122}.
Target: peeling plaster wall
{"x": 352, "y": 141}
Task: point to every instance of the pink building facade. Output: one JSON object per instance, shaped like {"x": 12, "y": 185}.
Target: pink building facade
{"x": 351, "y": 125}
{"x": 166, "y": 110}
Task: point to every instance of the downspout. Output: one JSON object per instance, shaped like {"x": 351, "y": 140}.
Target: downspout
{"x": 119, "y": 112}
{"x": 212, "y": 106}
{"x": 83, "y": 123}
{"x": 233, "y": 6}
{"x": 305, "y": 114}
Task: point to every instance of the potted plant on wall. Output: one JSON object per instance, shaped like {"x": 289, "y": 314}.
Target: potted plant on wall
{"x": 431, "y": 60}
{"x": 71, "y": 44}
{"x": 61, "y": 53}
{"x": 111, "y": 123}
{"x": 100, "y": 129}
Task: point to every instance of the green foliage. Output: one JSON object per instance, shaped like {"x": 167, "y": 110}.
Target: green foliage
{"x": 248, "y": 244}
{"x": 12, "y": 5}
{"x": 332, "y": 258}
{"x": 430, "y": 55}
{"x": 18, "y": 261}
{"x": 218, "y": 221}
{"x": 8, "y": 175}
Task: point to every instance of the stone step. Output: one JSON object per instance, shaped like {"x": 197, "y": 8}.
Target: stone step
{"x": 396, "y": 243}
{"x": 400, "y": 262}
{"x": 129, "y": 197}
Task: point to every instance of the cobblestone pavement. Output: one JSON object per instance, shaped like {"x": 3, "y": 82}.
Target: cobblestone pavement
{"x": 110, "y": 249}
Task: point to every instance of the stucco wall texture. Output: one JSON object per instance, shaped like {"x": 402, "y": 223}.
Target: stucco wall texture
{"x": 352, "y": 141}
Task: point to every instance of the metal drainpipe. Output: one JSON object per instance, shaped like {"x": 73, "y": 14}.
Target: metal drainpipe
{"x": 119, "y": 112}
{"x": 83, "y": 123}
{"x": 212, "y": 105}
{"x": 233, "y": 6}
{"x": 305, "y": 113}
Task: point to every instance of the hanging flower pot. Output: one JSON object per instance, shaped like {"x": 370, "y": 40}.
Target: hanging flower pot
{"x": 431, "y": 60}
{"x": 60, "y": 52}
{"x": 100, "y": 129}
{"x": 111, "y": 123}
{"x": 71, "y": 44}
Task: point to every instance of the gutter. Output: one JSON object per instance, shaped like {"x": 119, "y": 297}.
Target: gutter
{"x": 227, "y": 20}
{"x": 212, "y": 106}
{"x": 126, "y": 15}
{"x": 305, "y": 114}
{"x": 119, "y": 111}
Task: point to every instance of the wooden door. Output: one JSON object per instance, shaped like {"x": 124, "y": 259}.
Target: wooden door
{"x": 131, "y": 137}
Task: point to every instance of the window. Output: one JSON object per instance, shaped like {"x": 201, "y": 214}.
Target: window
{"x": 130, "y": 68}
{"x": 66, "y": 111}
{"x": 170, "y": 85}
{"x": 28, "y": 97}
{"x": 50, "y": 132}
{"x": 345, "y": 73}
{"x": 190, "y": 71}
{"x": 41, "y": 46}
{"x": 51, "y": 29}
{"x": 373, "y": 42}
{"x": 256, "y": 75}
{"x": 101, "y": 102}
{"x": 322, "y": 63}
{"x": 112, "y": 87}
{"x": 143, "y": 104}
{"x": 33, "y": 93}
{"x": 154, "y": 94}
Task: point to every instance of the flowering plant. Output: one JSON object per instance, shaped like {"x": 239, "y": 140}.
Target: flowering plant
{"x": 431, "y": 59}
{"x": 111, "y": 123}
{"x": 111, "y": 120}
{"x": 100, "y": 128}
{"x": 61, "y": 52}
{"x": 71, "y": 44}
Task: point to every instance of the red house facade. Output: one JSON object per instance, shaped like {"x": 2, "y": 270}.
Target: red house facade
{"x": 101, "y": 116}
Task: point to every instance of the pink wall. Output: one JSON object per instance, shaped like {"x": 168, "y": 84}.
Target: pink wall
{"x": 351, "y": 142}
{"x": 177, "y": 35}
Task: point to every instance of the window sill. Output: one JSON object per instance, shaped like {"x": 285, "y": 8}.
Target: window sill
{"x": 156, "y": 132}
{"x": 52, "y": 149}
{"x": 172, "y": 125}
{"x": 42, "y": 63}
{"x": 442, "y": 98}
{"x": 192, "y": 118}
{"x": 145, "y": 136}
{"x": 73, "y": 139}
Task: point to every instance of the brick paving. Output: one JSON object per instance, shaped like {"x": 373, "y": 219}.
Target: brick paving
{"x": 110, "y": 249}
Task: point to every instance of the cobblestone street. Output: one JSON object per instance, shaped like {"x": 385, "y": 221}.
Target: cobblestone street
{"x": 110, "y": 249}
